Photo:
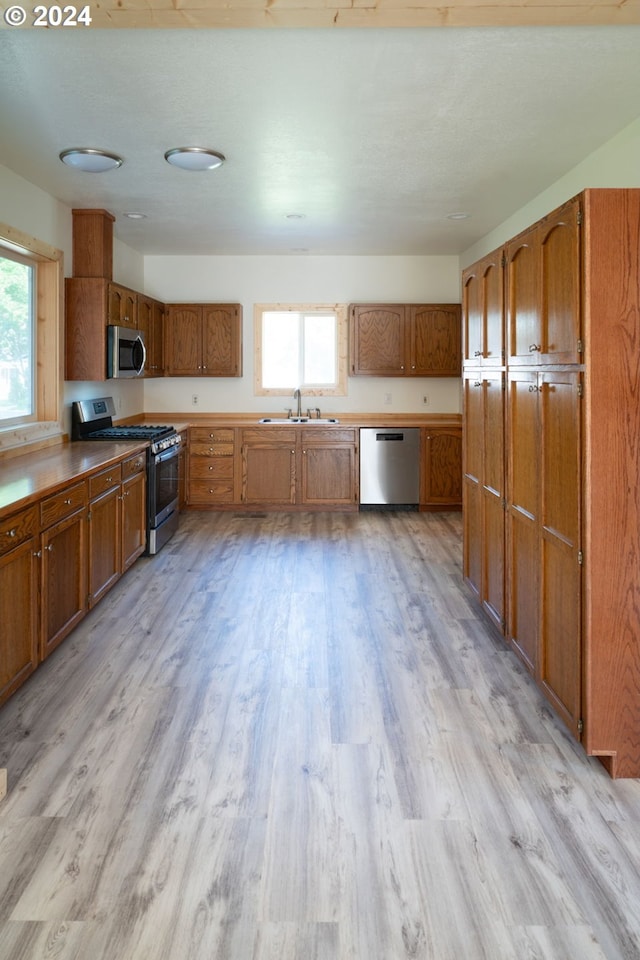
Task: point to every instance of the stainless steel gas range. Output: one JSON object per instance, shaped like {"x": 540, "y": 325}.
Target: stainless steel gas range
{"x": 93, "y": 420}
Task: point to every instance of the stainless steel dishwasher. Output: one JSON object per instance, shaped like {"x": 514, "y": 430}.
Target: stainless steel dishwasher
{"x": 390, "y": 466}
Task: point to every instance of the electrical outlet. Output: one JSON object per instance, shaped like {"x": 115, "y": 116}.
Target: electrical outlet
{"x": 387, "y": 399}
{"x": 194, "y": 399}
{"x": 425, "y": 399}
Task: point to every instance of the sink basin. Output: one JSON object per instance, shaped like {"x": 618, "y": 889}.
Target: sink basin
{"x": 320, "y": 420}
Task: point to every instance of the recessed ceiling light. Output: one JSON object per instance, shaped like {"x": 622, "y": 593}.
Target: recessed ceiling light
{"x": 296, "y": 216}
{"x": 458, "y": 216}
{"x": 194, "y": 158}
{"x": 136, "y": 216}
{"x": 90, "y": 160}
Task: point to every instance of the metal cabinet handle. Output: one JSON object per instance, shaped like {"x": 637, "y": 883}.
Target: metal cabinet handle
{"x": 477, "y": 383}
{"x": 477, "y": 353}
{"x": 49, "y": 548}
{"x": 533, "y": 388}
{"x": 534, "y": 348}
{"x": 68, "y": 503}
{"x": 12, "y": 533}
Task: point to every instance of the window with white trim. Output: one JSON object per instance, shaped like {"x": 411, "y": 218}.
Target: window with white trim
{"x": 301, "y": 346}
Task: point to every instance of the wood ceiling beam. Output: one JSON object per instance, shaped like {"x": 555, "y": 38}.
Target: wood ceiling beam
{"x": 358, "y": 13}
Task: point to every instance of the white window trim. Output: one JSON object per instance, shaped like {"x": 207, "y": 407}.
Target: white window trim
{"x": 341, "y": 312}
{"x": 47, "y": 428}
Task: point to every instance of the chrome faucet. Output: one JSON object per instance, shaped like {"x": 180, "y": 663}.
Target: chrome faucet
{"x": 297, "y": 395}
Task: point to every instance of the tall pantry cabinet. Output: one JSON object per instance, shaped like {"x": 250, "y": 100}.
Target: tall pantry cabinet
{"x": 570, "y": 537}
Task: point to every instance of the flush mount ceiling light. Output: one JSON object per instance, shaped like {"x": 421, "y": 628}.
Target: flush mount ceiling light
{"x": 136, "y": 216}
{"x": 194, "y": 158}
{"x": 90, "y": 160}
{"x": 458, "y": 216}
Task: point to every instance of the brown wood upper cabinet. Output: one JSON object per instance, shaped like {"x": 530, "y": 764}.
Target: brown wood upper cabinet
{"x": 203, "y": 340}
{"x": 405, "y": 340}
{"x": 122, "y": 306}
{"x": 150, "y": 321}
{"x": 483, "y": 311}
{"x": 91, "y": 305}
{"x": 543, "y": 291}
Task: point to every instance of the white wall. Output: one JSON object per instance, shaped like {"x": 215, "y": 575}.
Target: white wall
{"x": 302, "y": 279}
{"x": 615, "y": 164}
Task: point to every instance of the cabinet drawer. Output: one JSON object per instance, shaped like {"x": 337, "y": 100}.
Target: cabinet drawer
{"x": 103, "y": 481}
{"x": 211, "y": 491}
{"x": 211, "y": 435}
{"x": 270, "y": 434}
{"x": 132, "y": 465}
{"x": 329, "y": 434}
{"x": 217, "y": 468}
{"x": 63, "y": 504}
{"x": 211, "y": 449}
{"x": 18, "y": 528}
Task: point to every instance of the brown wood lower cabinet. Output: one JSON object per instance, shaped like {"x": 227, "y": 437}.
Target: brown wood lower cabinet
{"x": 441, "y": 474}
{"x": 300, "y": 466}
{"x": 269, "y": 466}
{"x": 59, "y": 556}
{"x": 63, "y": 597}
{"x": 19, "y": 568}
{"x": 117, "y": 523}
{"x": 134, "y": 507}
{"x": 104, "y": 532}
{"x": 211, "y": 465}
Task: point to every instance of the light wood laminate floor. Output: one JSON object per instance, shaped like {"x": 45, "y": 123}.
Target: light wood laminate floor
{"x": 292, "y": 737}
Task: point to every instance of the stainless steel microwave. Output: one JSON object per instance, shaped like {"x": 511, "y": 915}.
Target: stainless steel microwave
{"x": 126, "y": 353}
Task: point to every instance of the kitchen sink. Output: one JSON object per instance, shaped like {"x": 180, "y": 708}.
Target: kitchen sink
{"x": 320, "y": 420}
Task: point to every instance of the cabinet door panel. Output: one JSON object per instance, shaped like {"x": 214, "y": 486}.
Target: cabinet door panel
{"x": 523, "y": 450}
{"x": 522, "y": 540}
{"x": 104, "y": 544}
{"x": 493, "y": 476}
{"x": 483, "y": 311}
{"x": 493, "y": 559}
{"x": 18, "y": 602}
{"x": 559, "y": 239}
{"x": 560, "y": 571}
{"x": 184, "y": 336}
{"x": 64, "y": 579}
{"x": 523, "y": 312}
{"x": 473, "y": 426}
{"x": 473, "y": 541}
{"x": 436, "y": 340}
{"x": 493, "y": 309}
{"x": 268, "y": 473}
{"x": 328, "y": 474}
{"x": 442, "y": 468}
{"x": 472, "y": 315}
{"x": 522, "y": 514}
{"x": 134, "y": 523}
{"x": 379, "y": 340}
{"x": 220, "y": 340}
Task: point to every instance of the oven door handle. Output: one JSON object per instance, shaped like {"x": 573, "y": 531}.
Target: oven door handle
{"x": 167, "y": 454}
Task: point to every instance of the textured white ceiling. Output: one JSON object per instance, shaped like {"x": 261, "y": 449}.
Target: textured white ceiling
{"x": 374, "y": 135}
